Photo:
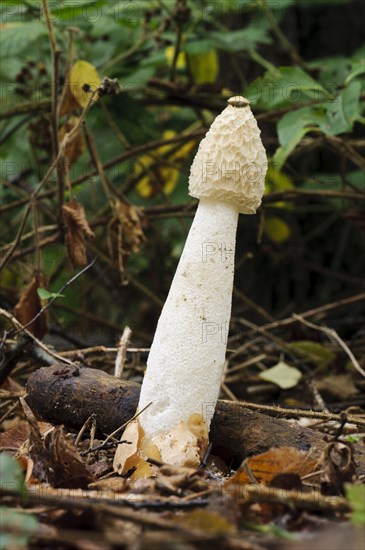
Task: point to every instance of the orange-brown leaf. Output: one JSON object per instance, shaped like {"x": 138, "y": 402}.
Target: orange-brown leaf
{"x": 75, "y": 147}
{"x": 265, "y": 467}
{"x": 30, "y": 304}
{"x": 77, "y": 228}
{"x": 131, "y": 219}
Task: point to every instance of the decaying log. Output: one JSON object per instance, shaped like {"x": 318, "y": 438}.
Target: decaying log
{"x": 67, "y": 395}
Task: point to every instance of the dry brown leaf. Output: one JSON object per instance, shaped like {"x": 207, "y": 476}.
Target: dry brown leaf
{"x": 13, "y": 439}
{"x": 55, "y": 457}
{"x": 264, "y": 468}
{"x": 30, "y": 304}
{"x": 75, "y": 147}
{"x": 77, "y": 228}
{"x": 132, "y": 220}
{"x": 69, "y": 468}
{"x": 125, "y": 233}
{"x": 68, "y": 101}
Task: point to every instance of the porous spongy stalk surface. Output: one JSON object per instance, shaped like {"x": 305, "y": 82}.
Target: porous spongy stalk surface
{"x": 185, "y": 364}
{"x": 231, "y": 162}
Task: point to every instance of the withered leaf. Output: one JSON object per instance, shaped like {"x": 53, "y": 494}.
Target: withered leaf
{"x": 264, "y": 468}
{"x": 69, "y": 468}
{"x": 55, "y": 457}
{"x": 132, "y": 220}
{"x": 125, "y": 233}
{"x": 30, "y": 304}
{"x": 77, "y": 228}
{"x": 75, "y": 146}
{"x": 13, "y": 439}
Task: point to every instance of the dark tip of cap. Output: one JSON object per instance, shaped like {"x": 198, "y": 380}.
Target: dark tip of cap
{"x": 238, "y": 101}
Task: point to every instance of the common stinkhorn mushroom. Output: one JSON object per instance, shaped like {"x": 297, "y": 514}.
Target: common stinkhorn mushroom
{"x": 185, "y": 365}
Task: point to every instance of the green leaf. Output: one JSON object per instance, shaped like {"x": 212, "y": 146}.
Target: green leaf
{"x": 15, "y": 37}
{"x": 356, "y": 496}
{"x": 15, "y": 528}
{"x": 292, "y": 127}
{"x": 46, "y": 295}
{"x": 88, "y": 10}
{"x": 344, "y": 110}
{"x": 235, "y": 41}
{"x": 284, "y": 86}
{"x": 197, "y": 46}
{"x": 313, "y": 351}
{"x": 331, "y": 118}
{"x": 282, "y": 375}
{"x": 11, "y": 474}
{"x": 357, "y": 68}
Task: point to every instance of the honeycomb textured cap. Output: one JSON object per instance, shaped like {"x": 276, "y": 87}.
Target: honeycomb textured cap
{"x": 231, "y": 164}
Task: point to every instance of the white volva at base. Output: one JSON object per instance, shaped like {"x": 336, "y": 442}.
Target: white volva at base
{"x": 185, "y": 364}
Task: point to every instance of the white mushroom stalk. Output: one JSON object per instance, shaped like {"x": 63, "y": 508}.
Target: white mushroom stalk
{"x": 185, "y": 365}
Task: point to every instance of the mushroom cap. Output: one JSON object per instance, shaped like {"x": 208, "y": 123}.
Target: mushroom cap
{"x": 230, "y": 164}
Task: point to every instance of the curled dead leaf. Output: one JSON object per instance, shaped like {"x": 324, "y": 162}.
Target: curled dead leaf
{"x": 125, "y": 233}
{"x": 77, "y": 228}
{"x": 75, "y": 146}
{"x": 132, "y": 221}
{"x": 265, "y": 467}
{"x": 30, "y": 304}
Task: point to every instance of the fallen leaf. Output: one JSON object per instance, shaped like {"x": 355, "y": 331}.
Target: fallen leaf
{"x": 69, "y": 468}
{"x": 12, "y": 439}
{"x": 337, "y": 386}
{"x": 282, "y": 375}
{"x": 264, "y": 468}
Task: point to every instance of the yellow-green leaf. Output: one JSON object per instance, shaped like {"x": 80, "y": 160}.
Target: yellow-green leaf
{"x": 313, "y": 351}
{"x": 160, "y": 171}
{"x": 277, "y": 230}
{"x": 181, "y": 59}
{"x": 204, "y": 67}
{"x": 282, "y": 375}
{"x": 83, "y": 80}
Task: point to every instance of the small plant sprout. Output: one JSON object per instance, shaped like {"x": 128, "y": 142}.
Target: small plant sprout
{"x": 185, "y": 364}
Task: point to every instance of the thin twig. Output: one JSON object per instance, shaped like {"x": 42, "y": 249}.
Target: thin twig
{"x": 111, "y": 436}
{"x": 274, "y": 410}
{"x": 20, "y": 327}
{"x": 9, "y": 412}
{"x": 280, "y": 35}
{"x": 54, "y": 118}
{"x": 321, "y": 310}
{"x": 333, "y": 334}
{"x": 62, "y": 147}
{"x": 303, "y": 501}
{"x": 50, "y": 302}
{"x": 122, "y": 352}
